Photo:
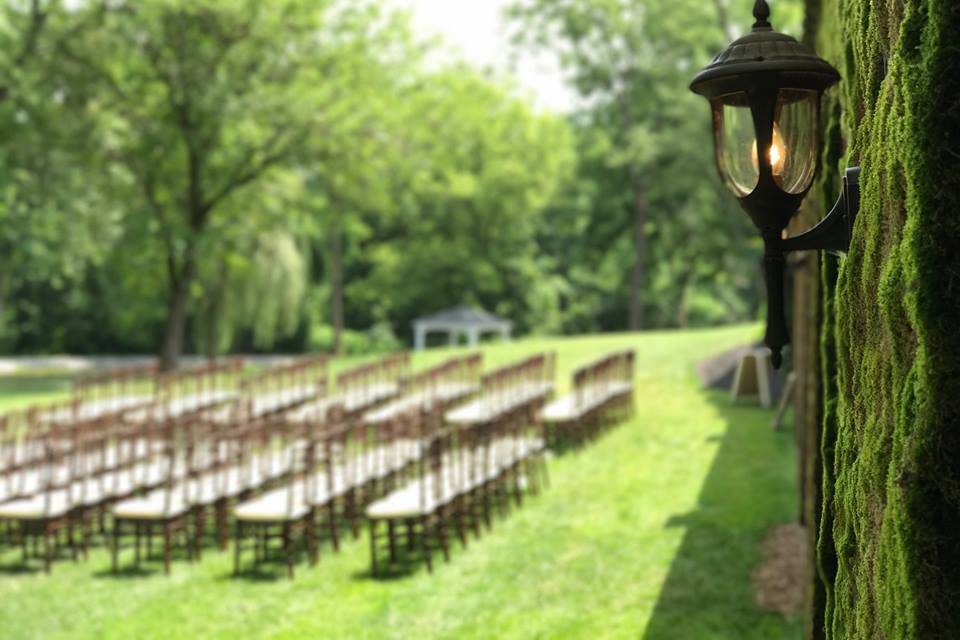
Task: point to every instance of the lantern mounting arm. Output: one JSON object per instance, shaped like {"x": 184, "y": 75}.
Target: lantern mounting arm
{"x": 833, "y": 232}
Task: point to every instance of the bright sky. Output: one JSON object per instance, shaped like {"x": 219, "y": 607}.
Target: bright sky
{"x": 477, "y": 31}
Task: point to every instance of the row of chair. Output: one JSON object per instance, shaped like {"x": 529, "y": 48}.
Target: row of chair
{"x": 282, "y": 457}
{"x": 468, "y": 459}
{"x": 62, "y": 465}
{"x": 601, "y": 394}
{"x": 346, "y": 463}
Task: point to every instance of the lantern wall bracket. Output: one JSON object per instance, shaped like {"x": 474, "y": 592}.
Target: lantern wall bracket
{"x": 833, "y": 232}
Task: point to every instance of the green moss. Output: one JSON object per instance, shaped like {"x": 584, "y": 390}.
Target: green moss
{"x": 888, "y": 549}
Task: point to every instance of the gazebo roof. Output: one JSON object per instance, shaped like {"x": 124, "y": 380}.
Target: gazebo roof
{"x": 462, "y": 316}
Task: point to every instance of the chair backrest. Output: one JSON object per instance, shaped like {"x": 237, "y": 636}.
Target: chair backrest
{"x": 116, "y": 383}
{"x": 198, "y": 388}
{"x": 472, "y": 367}
{"x": 281, "y": 387}
{"x": 435, "y": 445}
{"x": 517, "y": 383}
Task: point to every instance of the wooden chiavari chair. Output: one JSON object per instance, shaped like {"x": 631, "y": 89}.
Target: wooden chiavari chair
{"x": 419, "y": 505}
{"x": 283, "y": 512}
{"x": 22, "y": 451}
{"x": 50, "y": 511}
{"x": 337, "y": 485}
{"x": 164, "y": 511}
{"x": 111, "y": 393}
{"x": 602, "y": 395}
{"x": 282, "y": 388}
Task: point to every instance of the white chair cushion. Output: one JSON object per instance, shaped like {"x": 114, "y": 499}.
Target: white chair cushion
{"x": 156, "y": 505}
{"x": 278, "y": 505}
{"x": 37, "y": 507}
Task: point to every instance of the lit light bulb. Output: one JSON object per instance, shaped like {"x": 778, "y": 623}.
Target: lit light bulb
{"x": 777, "y": 153}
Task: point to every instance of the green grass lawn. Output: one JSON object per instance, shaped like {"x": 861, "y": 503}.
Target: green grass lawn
{"x": 650, "y": 532}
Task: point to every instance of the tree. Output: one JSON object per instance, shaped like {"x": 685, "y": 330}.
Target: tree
{"x": 53, "y": 227}
{"x": 644, "y": 141}
{"x": 196, "y": 105}
{"x": 477, "y": 168}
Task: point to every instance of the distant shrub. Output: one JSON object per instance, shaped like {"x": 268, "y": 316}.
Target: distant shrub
{"x": 378, "y": 339}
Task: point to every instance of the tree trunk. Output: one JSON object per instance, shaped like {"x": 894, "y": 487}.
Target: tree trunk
{"x": 639, "y": 255}
{"x": 176, "y": 322}
{"x": 335, "y": 249}
{"x": 173, "y": 333}
{"x": 683, "y": 308}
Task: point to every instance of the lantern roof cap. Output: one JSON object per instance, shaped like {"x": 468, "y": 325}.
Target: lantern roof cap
{"x": 785, "y": 61}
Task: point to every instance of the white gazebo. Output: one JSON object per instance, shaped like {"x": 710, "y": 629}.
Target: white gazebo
{"x": 459, "y": 321}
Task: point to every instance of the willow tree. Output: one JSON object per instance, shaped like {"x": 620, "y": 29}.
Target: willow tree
{"x": 195, "y": 105}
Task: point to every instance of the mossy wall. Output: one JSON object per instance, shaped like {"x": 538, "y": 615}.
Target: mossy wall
{"x": 889, "y": 530}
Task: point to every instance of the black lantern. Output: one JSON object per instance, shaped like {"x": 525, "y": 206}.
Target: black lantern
{"x": 764, "y": 92}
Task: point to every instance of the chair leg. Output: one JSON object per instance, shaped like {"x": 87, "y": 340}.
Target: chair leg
{"x": 115, "y": 547}
{"x": 85, "y": 533}
{"x": 71, "y": 542}
{"x": 353, "y": 514}
{"x": 486, "y": 508}
{"x": 167, "y": 547}
{"x": 23, "y": 540}
{"x": 411, "y": 536}
{"x": 288, "y": 550}
{"x": 442, "y": 536}
{"x": 199, "y": 528}
{"x": 392, "y": 539}
{"x": 47, "y": 551}
{"x": 310, "y": 536}
{"x": 500, "y": 494}
{"x": 333, "y": 524}
{"x": 237, "y": 546}
{"x": 460, "y": 517}
{"x": 221, "y": 516}
{"x": 425, "y": 544}
{"x": 517, "y": 490}
{"x": 188, "y": 543}
{"x": 136, "y": 543}
{"x": 373, "y": 548}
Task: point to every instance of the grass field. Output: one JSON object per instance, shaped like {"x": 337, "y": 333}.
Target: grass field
{"x": 650, "y": 532}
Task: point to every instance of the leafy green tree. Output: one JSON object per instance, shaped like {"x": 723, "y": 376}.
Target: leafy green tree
{"x": 196, "y": 105}
{"x": 479, "y": 168}
{"x": 52, "y": 225}
{"x": 643, "y": 147}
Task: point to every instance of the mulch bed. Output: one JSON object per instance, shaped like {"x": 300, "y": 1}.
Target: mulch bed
{"x": 780, "y": 579}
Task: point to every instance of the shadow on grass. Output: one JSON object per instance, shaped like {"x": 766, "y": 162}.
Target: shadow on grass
{"x": 14, "y": 564}
{"x": 128, "y": 572}
{"x": 748, "y": 489}
{"x": 20, "y": 568}
{"x": 266, "y": 571}
{"x": 406, "y": 564}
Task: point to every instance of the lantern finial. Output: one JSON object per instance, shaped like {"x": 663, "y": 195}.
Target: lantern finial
{"x": 762, "y": 13}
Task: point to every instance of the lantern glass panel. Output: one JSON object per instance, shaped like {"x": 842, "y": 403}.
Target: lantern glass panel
{"x": 793, "y": 154}
{"x": 735, "y": 141}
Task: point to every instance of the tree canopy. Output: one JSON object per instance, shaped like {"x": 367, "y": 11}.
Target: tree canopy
{"x": 236, "y": 175}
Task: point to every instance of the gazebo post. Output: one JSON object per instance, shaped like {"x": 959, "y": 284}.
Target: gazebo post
{"x": 420, "y": 337}
{"x": 505, "y": 333}
{"x": 473, "y": 337}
